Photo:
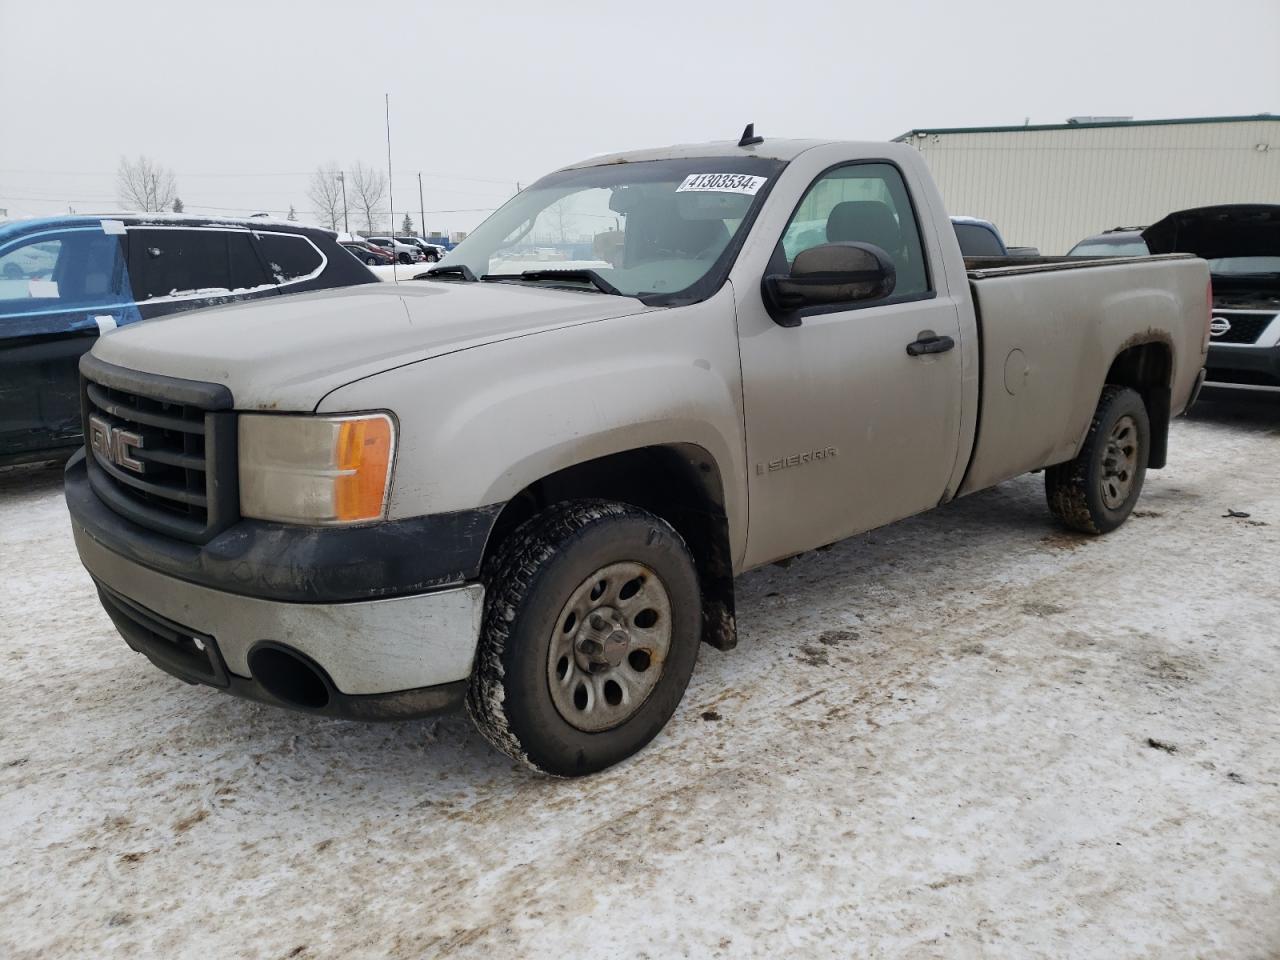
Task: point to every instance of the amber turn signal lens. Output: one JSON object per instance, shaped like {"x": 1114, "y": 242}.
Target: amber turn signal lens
{"x": 363, "y": 456}
{"x": 316, "y": 470}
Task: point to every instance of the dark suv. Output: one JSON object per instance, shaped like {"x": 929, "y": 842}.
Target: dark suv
{"x": 64, "y": 281}
{"x": 1241, "y": 241}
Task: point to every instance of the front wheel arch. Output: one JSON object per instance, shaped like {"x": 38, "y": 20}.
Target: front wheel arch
{"x": 680, "y": 483}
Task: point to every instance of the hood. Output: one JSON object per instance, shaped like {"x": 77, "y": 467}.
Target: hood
{"x": 287, "y": 353}
{"x": 1231, "y": 230}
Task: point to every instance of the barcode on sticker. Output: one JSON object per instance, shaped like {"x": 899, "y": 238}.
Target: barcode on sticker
{"x": 722, "y": 183}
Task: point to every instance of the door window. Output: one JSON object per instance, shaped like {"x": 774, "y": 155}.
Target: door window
{"x": 192, "y": 262}
{"x": 72, "y": 268}
{"x": 866, "y": 202}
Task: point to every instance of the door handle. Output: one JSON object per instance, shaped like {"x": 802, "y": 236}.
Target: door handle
{"x": 929, "y": 342}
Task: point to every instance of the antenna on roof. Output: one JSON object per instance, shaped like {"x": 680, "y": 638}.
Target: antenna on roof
{"x": 749, "y": 138}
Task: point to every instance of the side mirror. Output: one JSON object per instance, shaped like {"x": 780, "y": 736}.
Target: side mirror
{"x": 832, "y": 273}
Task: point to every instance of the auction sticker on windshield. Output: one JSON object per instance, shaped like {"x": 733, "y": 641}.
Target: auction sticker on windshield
{"x": 722, "y": 183}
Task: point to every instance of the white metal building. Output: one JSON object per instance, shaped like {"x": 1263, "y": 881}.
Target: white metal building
{"x": 1051, "y": 186}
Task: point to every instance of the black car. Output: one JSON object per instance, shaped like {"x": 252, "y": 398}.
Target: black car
{"x": 1241, "y": 241}
{"x": 64, "y": 281}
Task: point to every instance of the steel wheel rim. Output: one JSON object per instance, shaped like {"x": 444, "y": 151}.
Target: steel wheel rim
{"x": 1119, "y": 463}
{"x": 609, "y": 646}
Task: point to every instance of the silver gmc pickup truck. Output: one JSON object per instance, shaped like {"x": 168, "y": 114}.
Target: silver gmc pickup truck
{"x": 528, "y": 481}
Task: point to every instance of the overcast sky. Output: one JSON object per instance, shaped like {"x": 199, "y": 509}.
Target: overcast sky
{"x": 243, "y": 99}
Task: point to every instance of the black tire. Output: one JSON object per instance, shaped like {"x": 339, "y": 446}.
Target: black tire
{"x": 1078, "y": 490}
{"x": 371, "y": 261}
{"x": 433, "y": 257}
{"x": 528, "y": 582}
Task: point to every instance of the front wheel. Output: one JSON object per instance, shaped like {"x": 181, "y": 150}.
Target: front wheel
{"x": 432, "y": 257}
{"x": 1096, "y": 492}
{"x": 591, "y": 631}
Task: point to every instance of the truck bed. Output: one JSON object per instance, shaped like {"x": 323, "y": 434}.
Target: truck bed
{"x": 1049, "y": 328}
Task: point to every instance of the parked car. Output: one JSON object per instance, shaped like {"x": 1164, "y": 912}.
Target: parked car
{"x": 1242, "y": 244}
{"x": 404, "y": 252}
{"x": 978, "y": 237}
{"x": 367, "y": 253}
{"x": 530, "y": 490}
{"x": 431, "y": 252}
{"x": 1116, "y": 242}
{"x": 64, "y": 281}
{"x": 981, "y": 238}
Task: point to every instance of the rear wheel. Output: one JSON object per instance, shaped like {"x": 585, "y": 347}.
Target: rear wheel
{"x": 591, "y": 631}
{"x": 1096, "y": 492}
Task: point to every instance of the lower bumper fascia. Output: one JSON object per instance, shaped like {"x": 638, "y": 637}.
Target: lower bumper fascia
{"x": 195, "y": 658}
{"x": 433, "y": 701}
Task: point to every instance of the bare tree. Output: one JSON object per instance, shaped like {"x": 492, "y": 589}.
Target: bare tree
{"x": 368, "y": 187}
{"x": 558, "y": 221}
{"x": 325, "y": 194}
{"x": 144, "y": 185}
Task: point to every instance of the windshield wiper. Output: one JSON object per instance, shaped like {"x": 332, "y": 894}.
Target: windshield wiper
{"x": 451, "y": 270}
{"x": 573, "y": 275}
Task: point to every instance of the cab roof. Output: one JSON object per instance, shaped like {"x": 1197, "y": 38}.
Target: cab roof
{"x": 769, "y": 149}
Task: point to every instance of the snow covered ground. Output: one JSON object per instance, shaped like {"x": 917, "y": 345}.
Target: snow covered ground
{"x": 968, "y": 734}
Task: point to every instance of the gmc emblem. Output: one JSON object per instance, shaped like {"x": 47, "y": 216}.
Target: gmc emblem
{"x": 115, "y": 444}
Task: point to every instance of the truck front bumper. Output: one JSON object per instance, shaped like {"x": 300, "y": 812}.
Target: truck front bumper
{"x": 1245, "y": 368}
{"x": 370, "y": 659}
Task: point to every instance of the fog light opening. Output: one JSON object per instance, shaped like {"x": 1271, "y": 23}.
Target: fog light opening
{"x": 289, "y": 678}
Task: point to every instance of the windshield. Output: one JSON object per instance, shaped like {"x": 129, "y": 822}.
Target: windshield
{"x": 1239, "y": 266}
{"x": 1102, "y": 248}
{"x": 655, "y": 228}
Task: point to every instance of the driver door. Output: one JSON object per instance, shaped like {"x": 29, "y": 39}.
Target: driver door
{"x": 845, "y": 430}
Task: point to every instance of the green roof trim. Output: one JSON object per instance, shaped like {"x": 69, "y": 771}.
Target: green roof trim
{"x": 929, "y": 131}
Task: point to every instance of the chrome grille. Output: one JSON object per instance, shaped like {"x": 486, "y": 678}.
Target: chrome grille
{"x": 1244, "y": 327}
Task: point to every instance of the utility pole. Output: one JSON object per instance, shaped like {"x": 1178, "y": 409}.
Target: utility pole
{"x": 422, "y": 212}
{"x": 343, "y": 180}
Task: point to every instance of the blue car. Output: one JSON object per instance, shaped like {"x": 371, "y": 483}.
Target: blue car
{"x": 64, "y": 281}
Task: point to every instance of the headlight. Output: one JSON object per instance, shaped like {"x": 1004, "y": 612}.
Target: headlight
{"x": 322, "y": 470}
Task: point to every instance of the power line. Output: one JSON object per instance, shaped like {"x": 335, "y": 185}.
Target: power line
{"x": 238, "y": 174}
{"x": 116, "y": 205}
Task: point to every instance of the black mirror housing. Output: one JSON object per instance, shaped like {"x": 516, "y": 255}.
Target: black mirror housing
{"x": 829, "y": 274}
